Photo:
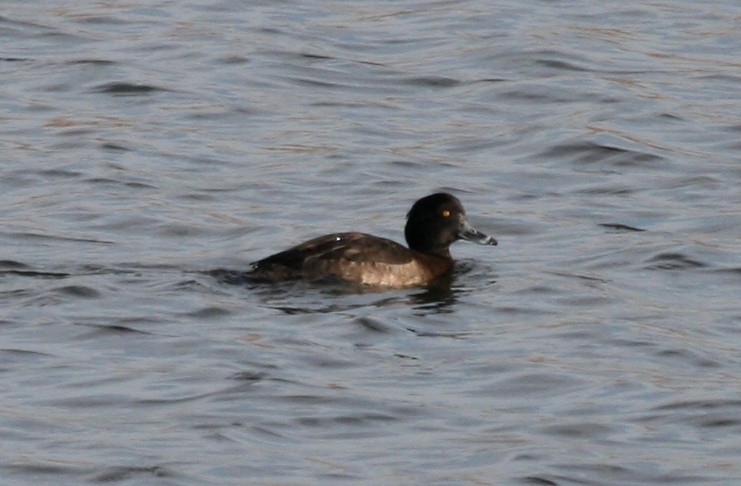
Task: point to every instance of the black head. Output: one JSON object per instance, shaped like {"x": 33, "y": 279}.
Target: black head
{"x": 437, "y": 221}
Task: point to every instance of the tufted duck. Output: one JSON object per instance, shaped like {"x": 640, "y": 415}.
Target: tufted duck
{"x": 433, "y": 224}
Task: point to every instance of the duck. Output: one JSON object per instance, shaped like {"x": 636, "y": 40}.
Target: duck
{"x": 433, "y": 224}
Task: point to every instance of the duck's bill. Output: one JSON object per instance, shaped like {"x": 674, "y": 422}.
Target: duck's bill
{"x": 469, "y": 233}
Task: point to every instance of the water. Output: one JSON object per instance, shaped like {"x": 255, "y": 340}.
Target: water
{"x": 149, "y": 149}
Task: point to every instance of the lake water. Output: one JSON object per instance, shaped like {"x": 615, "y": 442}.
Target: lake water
{"x": 150, "y": 149}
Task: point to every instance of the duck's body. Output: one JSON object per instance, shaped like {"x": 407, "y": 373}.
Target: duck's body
{"x": 434, "y": 222}
{"x": 355, "y": 257}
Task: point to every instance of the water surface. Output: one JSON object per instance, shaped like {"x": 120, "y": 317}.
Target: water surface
{"x": 150, "y": 150}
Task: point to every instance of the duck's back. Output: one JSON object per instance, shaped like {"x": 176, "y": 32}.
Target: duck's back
{"x": 354, "y": 257}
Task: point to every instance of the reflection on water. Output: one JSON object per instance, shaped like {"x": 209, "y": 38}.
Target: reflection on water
{"x": 326, "y": 296}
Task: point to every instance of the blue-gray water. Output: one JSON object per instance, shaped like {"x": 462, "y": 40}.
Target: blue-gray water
{"x": 146, "y": 145}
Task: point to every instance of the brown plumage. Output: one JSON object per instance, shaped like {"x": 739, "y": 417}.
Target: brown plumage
{"x": 433, "y": 224}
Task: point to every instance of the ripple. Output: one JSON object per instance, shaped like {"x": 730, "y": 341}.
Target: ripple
{"x": 44, "y": 236}
{"x": 539, "y": 481}
{"x": 534, "y": 384}
{"x": 700, "y": 414}
{"x": 23, "y": 356}
{"x": 588, "y": 153}
{"x": 561, "y": 65}
{"x": 127, "y": 89}
{"x": 673, "y": 261}
{"x": 79, "y": 291}
{"x": 701, "y": 405}
{"x": 210, "y": 312}
{"x": 364, "y": 419}
{"x": 619, "y": 227}
{"x": 250, "y": 376}
{"x": 373, "y": 325}
{"x": 432, "y": 82}
{"x": 108, "y": 330}
{"x": 597, "y": 474}
{"x": 114, "y": 147}
{"x": 137, "y": 473}
{"x": 94, "y": 62}
{"x": 12, "y": 264}
{"x": 39, "y": 469}
{"x": 35, "y": 273}
{"x": 582, "y": 430}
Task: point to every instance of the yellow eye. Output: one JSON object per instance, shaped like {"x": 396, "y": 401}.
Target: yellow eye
{"x": 445, "y": 213}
